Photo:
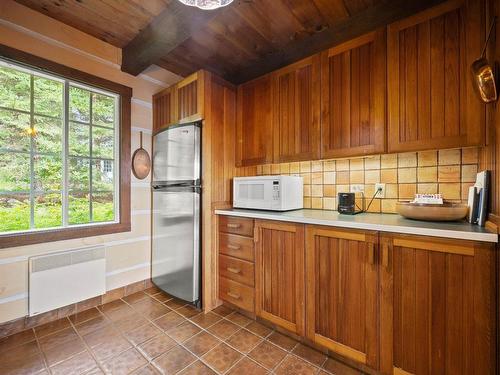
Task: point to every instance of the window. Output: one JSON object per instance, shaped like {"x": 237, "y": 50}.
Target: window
{"x": 59, "y": 152}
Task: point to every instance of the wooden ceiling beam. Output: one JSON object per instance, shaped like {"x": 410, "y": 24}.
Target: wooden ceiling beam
{"x": 368, "y": 20}
{"x": 166, "y": 31}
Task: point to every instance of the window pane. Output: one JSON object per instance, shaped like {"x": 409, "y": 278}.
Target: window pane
{"x": 14, "y": 128}
{"x": 102, "y": 142}
{"x": 79, "y": 139}
{"x": 14, "y": 212}
{"x": 79, "y": 174}
{"x": 14, "y": 172}
{"x": 103, "y": 110}
{"x": 102, "y": 175}
{"x": 48, "y": 97}
{"x": 47, "y": 173}
{"x": 48, "y": 135}
{"x": 79, "y": 208}
{"x": 79, "y": 104}
{"x": 48, "y": 210}
{"x": 103, "y": 208}
{"x": 14, "y": 89}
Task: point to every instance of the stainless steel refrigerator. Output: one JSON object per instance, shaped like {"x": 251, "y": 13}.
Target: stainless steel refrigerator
{"x": 176, "y": 244}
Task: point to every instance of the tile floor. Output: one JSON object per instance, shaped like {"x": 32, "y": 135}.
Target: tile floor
{"x": 151, "y": 333}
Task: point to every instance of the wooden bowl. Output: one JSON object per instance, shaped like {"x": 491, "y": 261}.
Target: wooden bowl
{"x": 432, "y": 212}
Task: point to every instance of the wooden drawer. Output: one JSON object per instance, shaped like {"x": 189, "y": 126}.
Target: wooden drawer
{"x": 237, "y": 294}
{"x": 236, "y": 246}
{"x": 236, "y": 225}
{"x": 238, "y": 270}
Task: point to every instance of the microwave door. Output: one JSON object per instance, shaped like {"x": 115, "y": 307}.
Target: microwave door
{"x": 255, "y": 194}
{"x": 176, "y": 155}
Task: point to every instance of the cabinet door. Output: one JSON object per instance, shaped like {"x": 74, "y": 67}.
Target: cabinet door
{"x": 163, "y": 109}
{"x": 437, "y": 306}
{"x": 342, "y": 292}
{"x": 353, "y": 79}
{"x": 296, "y": 111}
{"x": 190, "y": 98}
{"x": 279, "y": 274}
{"x": 254, "y": 128}
{"x": 431, "y": 100}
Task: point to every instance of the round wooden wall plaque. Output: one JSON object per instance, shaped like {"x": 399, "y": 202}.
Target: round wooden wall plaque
{"x": 141, "y": 162}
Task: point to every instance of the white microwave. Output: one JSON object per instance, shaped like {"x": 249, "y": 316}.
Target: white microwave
{"x": 278, "y": 193}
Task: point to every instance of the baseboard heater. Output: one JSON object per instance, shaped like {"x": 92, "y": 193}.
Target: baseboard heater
{"x": 62, "y": 278}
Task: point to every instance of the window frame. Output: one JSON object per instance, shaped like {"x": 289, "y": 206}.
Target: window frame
{"x": 122, "y": 223}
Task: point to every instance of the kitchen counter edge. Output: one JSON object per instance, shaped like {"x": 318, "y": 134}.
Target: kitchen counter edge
{"x": 392, "y": 223}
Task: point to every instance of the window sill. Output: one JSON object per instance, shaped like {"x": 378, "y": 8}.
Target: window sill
{"x": 51, "y": 235}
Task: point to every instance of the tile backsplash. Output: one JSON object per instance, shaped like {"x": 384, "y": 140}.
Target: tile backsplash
{"x": 449, "y": 172}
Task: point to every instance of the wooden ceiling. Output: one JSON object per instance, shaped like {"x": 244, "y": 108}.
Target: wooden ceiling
{"x": 238, "y": 42}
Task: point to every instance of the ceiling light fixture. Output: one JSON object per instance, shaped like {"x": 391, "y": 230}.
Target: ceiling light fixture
{"x": 207, "y": 4}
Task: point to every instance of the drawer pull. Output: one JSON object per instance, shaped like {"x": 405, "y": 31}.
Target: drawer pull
{"x": 233, "y": 295}
{"x": 234, "y": 226}
{"x": 386, "y": 261}
{"x": 233, "y": 270}
{"x": 233, "y": 247}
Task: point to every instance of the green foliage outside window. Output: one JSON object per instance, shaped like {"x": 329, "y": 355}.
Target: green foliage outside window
{"x": 32, "y": 133}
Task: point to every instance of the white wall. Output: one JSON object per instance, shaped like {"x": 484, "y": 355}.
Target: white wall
{"x": 127, "y": 254}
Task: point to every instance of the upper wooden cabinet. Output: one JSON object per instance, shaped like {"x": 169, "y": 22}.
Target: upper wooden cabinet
{"x": 296, "y": 111}
{"x": 190, "y": 98}
{"x": 164, "y": 109}
{"x": 353, "y": 85}
{"x": 182, "y": 102}
{"x": 437, "y": 306}
{"x": 279, "y": 274}
{"x": 431, "y": 100}
{"x": 342, "y": 292}
{"x": 254, "y": 135}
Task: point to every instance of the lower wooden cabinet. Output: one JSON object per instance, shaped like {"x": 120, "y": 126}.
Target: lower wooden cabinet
{"x": 399, "y": 304}
{"x": 437, "y": 306}
{"x": 342, "y": 291}
{"x": 279, "y": 278}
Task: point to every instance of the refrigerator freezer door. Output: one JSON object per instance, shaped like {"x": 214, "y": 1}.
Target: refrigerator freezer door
{"x": 176, "y": 242}
{"x": 176, "y": 155}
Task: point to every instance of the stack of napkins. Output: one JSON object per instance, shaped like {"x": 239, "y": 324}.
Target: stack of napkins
{"x": 428, "y": 199}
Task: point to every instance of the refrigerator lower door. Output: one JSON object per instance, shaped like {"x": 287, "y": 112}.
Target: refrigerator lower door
{"x": 176, "y": 242}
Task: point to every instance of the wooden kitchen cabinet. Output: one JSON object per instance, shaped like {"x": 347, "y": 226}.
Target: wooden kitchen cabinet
{"x": 431, "y": 101}
{"x": 279, "y": 274}
{"x": 164, "y": 109}
{"x": 296, "y": 111}
{"x": 189, "y": 101}
{"x": 437, "y": 306}
{"x": 353, "y": 85}
{"x": 342, "y": 292}
{"x": 254, "y": 134}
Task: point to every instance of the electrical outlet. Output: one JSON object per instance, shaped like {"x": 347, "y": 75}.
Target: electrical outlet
{"x": 380, "y": 188}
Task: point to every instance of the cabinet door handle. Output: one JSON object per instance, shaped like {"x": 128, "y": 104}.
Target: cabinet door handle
{"x": 233, "y": 270}
{"x": 371, "y": 253}
{"x": 233, "y": 226}
{"x": 386, "y": 256}
{"x": 233, "y": 247}
{"x": 233, "y": 295}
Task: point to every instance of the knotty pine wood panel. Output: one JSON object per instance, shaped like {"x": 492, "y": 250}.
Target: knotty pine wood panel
{"x": 279, "y": 274}
{"x": 437, "y": 310}
{"x": 296, "y": 111}
{"x": 353, "y": 79}
{"x": 219, "y": 103}
{"x": 342, "y": 292}
{"x": 431, "y": 100}
{"x": 254, "y": 136}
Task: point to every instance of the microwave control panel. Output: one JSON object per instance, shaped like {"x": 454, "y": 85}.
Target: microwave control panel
{"x": 276, "y": 190}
